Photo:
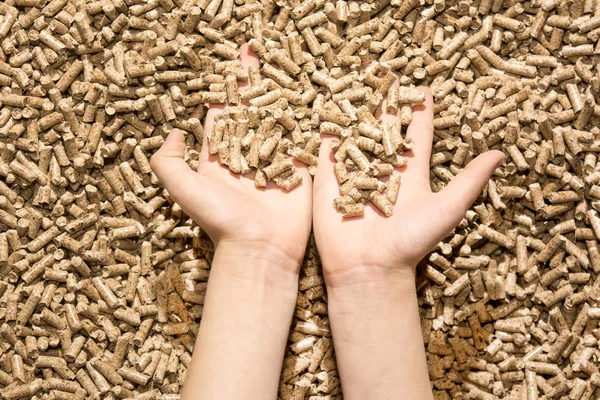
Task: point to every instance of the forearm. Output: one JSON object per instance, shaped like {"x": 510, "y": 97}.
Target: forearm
{"x": 240, "y": 346}
{"x": 378, "y": 341}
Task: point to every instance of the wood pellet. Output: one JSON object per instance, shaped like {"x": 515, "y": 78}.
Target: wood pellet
{"x": 103, "y": 277}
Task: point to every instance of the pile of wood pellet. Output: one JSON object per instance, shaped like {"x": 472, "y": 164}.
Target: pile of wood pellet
{"x": 102, "y": 277}
{"x": 365, "y": 152}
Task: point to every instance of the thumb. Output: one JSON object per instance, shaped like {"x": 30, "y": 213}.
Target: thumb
{"x": 191, "y": 190}
{"x": 170, "y": 167}
{"x": 463, "y": 190}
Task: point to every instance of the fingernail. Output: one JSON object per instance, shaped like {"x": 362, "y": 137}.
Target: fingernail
{"x": 499, "y": 163}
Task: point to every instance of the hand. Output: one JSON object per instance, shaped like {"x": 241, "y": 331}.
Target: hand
{"x": 266, "y": 224}
{"x": 358, "y": 249}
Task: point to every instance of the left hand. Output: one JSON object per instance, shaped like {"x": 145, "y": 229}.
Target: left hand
{"x": 265, "y": 224}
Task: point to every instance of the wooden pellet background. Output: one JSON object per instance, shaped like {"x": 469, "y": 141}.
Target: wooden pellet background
{"x": 102, "y": 277}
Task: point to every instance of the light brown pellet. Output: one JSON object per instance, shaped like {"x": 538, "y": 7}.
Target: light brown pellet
{"x": 89, "y": 94}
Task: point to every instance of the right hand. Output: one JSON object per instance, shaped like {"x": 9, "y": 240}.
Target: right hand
{"x": 372, "y": 247}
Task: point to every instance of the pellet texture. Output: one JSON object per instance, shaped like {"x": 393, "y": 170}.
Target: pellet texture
{"x": 103, "y": 277}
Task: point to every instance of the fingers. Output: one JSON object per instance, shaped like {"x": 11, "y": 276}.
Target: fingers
{"x": 420, "y": 131}
{"x": 209, "y": 125}
{"x": 249, "y": 59}
{"x": 463, "y": 190}
{"x": 387, "y": 117}
{"x": 325, "y": 186}
{"x": 212, "y": 112}
{"x": 169, "y": 166}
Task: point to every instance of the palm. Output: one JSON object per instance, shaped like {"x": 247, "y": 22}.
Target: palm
{"x": 419, "y": 209}
{"x": 229, "y": 207}
{"x": 401, "y": 239}
{"x": 243, "y": 211}
{"x": 421, "y": 218}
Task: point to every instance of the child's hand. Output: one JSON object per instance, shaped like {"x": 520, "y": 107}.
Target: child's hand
{"x": 266, "y": 224}
{"x": 360, "y": 249}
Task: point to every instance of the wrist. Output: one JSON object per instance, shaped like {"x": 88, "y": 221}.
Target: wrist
{"x": 364, "y": 289}
{"x": 366, "y": 298}
{"x": 258, "y": 263}
{"x": 367, "y": 276}
{"x": 370, "y": 296}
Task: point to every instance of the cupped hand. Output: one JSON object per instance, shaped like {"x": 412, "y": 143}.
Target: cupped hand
{"x": 362, "y": 249}
{"x": 262, "y": 223}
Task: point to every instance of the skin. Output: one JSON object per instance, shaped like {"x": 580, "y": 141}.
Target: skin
{"x": 253, "y": 283}
{"x": 369, "y": 263}
{"x": 240, "y": 214}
